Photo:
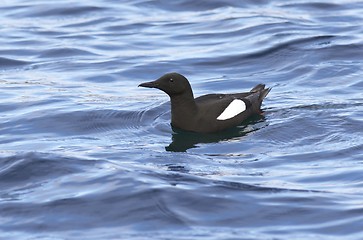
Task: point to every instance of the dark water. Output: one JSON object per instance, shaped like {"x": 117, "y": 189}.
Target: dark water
{"x": 85, "y": 154}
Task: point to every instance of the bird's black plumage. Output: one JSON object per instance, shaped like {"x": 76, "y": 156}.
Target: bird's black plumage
{"x": 204, "y": 114}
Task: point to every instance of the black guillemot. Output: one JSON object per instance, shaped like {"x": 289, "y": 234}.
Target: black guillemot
{"x": 211, "y": 112}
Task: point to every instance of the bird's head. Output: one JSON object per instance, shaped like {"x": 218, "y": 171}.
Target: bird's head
{"x": 170, "y": 83}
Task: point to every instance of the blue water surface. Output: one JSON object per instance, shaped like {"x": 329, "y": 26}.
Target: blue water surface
{"x": 86, "y": 154}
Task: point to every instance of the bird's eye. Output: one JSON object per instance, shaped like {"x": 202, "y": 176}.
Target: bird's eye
{"x": 171, "y": 80}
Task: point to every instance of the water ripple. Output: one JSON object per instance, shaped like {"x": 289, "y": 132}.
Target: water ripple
{"x": 7, "y": 62}
{"x": 64, "y": 52}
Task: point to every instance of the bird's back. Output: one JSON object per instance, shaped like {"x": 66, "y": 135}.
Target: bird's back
{"x": 211, "y": 106}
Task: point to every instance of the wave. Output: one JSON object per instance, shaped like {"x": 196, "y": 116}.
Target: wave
{"x": 10, "y": 63}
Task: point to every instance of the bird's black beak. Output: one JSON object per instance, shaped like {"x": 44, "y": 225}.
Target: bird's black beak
{"x": 153, "y": 84}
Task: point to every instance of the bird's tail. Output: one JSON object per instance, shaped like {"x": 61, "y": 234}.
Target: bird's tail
{"x": 262, "y": 90}
{"x": 262, "y": 93}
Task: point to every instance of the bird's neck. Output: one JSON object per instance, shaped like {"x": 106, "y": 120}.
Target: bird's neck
{"x": 182, "y": 107}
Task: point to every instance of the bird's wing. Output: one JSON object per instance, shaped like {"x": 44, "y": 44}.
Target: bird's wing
{"x": 222, "y": 106}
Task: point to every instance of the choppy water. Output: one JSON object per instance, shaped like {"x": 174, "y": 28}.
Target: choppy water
{"x": 85, "y": 154}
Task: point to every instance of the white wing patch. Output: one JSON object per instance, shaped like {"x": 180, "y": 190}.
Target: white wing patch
{"x": 234, "y": 108}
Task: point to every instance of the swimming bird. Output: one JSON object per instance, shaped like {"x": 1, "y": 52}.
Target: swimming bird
{"x": 209, "y": 113}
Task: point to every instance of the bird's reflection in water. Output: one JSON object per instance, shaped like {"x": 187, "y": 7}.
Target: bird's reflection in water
{"x": 184, "y": 140}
